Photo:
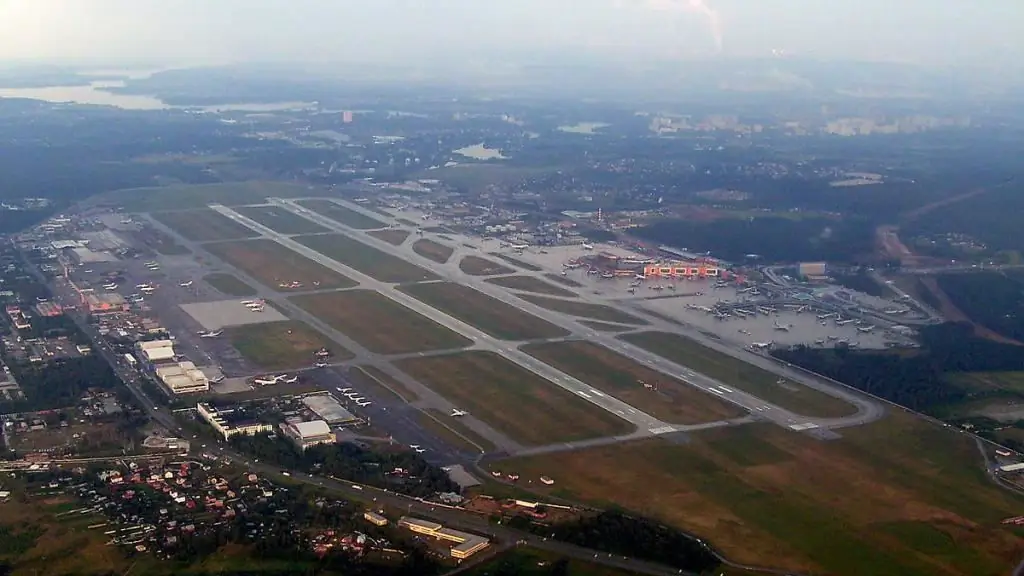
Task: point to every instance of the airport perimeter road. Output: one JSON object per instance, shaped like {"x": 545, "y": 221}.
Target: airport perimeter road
{"x": 867, "y": 409}
{"x": 645, "y": 423}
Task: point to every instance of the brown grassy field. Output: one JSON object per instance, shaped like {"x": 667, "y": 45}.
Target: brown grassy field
{"x": 734, "y": 372}
{"x": 531, "y": 284}
{"x": 229, "y": 284}
{"x": 391, "y": 235}
{"x": 477, "y": 266}
{"x": 365, "y": 258}
{"x": 433, "y": 250}
{"x": 673, "y": 401}
{"x": 517, "y": 262}
{"x": 584, "y": 309}
{"x": 282, "y": 345}
{"x": 280, "y": 220}
{"x": 378, "y": 323}
{"x": 477, "y": 309}
{"x": 203, "y": 225}
{"x": 898, "y": 497}
{"x": 342, "y": 215}
{"x": 563, "y": 280}
{"x": 453, "y": 431}
{"x": 272, "y": 264}
{"x": 513, "y": 400}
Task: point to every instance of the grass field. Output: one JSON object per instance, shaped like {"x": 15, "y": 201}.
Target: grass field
{"x": 563, "y": 280}
{"x": 733, "y": 372}
{"x": 391, "y": 235}
{"x": 342, "y": 215}
{"x": 453, "y": 431}
{"x": 477, "y": 266}
{"x": 477, "y": 309}
{"x": 989, "y": 382}
{"x": 273, "y": 264}
{"x": 517, "y": 262}
{"x": 282, "y": 345}
{"x": 378, "y": 323}
{"x": 531, "y": 284}
{"x": 584, "y": 309}
{"x": 532, "y": 562}
{"x": 674, "y": 401}
{"x": 373, "y": 377}
{"x": 365, "y": 258}
{"x": 203, "y": 225}
{"x": 228, "y": 284}
{"x": 280, "y": 220}
{"x": 159, "y": 242}
{"x": 605, "y": 327}
{"x": 898, "y": 497}
{"x": 513, "y": 400}
{"x": 193, "y": 196}
{"x": 433, "y": 250}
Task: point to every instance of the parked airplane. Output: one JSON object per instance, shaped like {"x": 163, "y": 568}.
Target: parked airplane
{"x": 211, "y": 334}
{"x": 185, "y": 284}
{"x": 247, "y": 302}
{"x": 289, "y": 379}
{"x": 456, "y": 412}
{"x": 110, "y": 286}
{"x": 782, "y": 327}
{"x": 414, "y": 446}
{"x": 865, "y": 329}
{"x": 264, "y": 381}
{"x": 420, "y": 450}
{"x": 141, "y": 286}
{"x": 217, "y": 380}
{"x": 363, "y": 404}
{"x": 321, "y": 364}
{"x": 344, "y": 390}
{"x": 586, "y": 246}
{"x": 519, "y": 246}
{"x": 761, "y": 345}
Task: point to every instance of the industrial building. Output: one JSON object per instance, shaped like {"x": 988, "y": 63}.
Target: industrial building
{"x": 812, "y": 270}
{"x": 49, "y": 309}
{"x": 466, "y": 544}
{"x": 306, "y": 434}
{"x": 230, "y": 422}
{"x": 104, "y": 302}
{"x": 375, "y": 519}
{"x": 154, "y": 351}
{"x": 327, "y": 408}
{"x": 84, "y": 255}
{"x": 183, "y": 378}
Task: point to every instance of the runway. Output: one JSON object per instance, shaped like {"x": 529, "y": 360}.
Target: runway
{"x": 867, "y": 410}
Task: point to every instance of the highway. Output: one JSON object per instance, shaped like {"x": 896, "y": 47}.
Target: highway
{"x": 867, "y": 409}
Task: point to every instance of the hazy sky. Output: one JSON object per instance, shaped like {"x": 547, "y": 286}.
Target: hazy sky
{"x": 178, "y": 31}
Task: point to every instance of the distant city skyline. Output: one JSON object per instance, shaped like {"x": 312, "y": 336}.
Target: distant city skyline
{"x": 940, "y": 32}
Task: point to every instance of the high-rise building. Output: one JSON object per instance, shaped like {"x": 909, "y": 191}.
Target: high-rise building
{"x": 346, "y": 116}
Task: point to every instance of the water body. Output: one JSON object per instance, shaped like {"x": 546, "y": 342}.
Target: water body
{"x": 481, "y": 152}
{"x": 95, "y": 93}
{"x": 584, "y": 127}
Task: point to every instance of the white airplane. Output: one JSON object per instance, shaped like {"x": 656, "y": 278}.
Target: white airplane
{"x": 414, "y": 446}
{"x": 782, "y": 327}
{"x": 217, "y": 380}
{"x": 456, "y": 413}
{"x": 363, "y": 404}
{"x": 866, "y": 329}
{"x": 247, "y": 302}
{"x": 185, "y": 284}
{"x": 263, "y": 381}
{"x": 110, "y": 286}
{"x": 344, "y": 390}
{"x": 211, "y": 334}
{"x": 289, "y": 379}
{"x": 587, "y": 246}
{"x": 141, "y": 286}
{"x": 761, "y": 345}
{"x": 420, "y": 450}
{"x": 321, "y": 364}
{"x": 519, "y": 246}
{"x": 147, "y": 290}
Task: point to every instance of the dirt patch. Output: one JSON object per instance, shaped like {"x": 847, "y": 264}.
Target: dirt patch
{"x": 391, "y": 235}
{"x": 433, "y": 250}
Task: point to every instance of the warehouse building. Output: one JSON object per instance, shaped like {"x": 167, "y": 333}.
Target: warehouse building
{"x": 183, "y": 378}
{"x": 103, "y": 302}
{"x": 328, "y": 409}
{"x": 154, "y": 351}
{"x": 306, "y": 434}
{"x": 230, "y": 422}
{"x": 466, "y": 544}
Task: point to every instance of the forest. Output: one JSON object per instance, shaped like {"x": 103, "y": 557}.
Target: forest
{"x": 59, "y": 383}
{"x": 993, "y": 299}
{"x": 916, "y": 379}
{"x": 351, "y": 462}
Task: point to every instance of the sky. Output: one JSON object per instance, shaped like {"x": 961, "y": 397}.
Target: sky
{"x": 941, "y": 32}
